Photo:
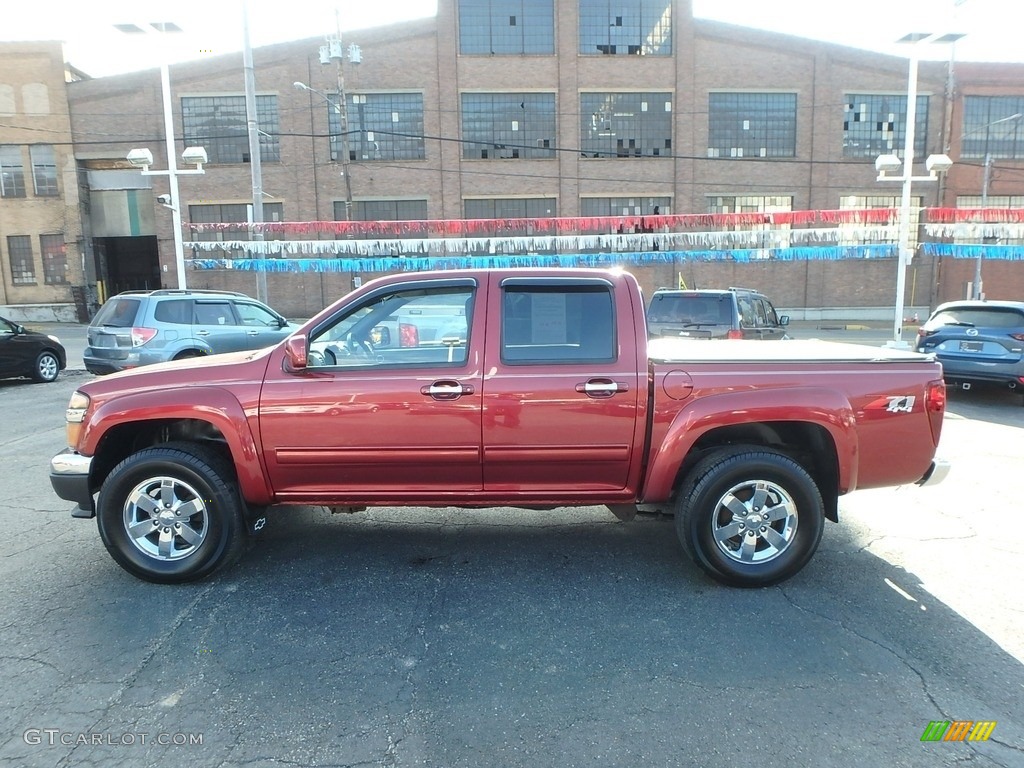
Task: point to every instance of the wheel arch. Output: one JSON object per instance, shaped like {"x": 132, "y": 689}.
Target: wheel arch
{"x": 815, "y": 427}
{"x": 215, "y": 420}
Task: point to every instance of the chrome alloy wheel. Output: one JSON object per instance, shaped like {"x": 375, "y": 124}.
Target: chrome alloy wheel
{"x": 48, "y": 367}
{"x": 754, "y": 522}
{"x": 165, "y": 518}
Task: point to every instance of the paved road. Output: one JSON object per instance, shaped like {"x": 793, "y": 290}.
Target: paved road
{"x": 512, "y": 638}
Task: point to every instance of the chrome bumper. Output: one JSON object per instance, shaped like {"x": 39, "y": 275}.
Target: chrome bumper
{"x": 936, "y": 473}
{"x": 69, "y": 476}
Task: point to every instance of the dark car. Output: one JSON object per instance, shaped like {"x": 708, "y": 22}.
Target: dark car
{"x": 137, "y": 328}
{"x": 977, "y": 341}
{"x": 28, "y": 353}
{"x": 733, "y": 313}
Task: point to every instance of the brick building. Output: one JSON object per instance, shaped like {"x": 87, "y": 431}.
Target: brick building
{"x": 41, "y": 242}
{"x": 539, "y": 109}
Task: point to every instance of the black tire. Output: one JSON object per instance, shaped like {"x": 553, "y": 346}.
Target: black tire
{"x": 187, "y": 354}
{"x": 47, "y": 367}
{"x": 149, "y": 540}
{"x": 774, "y": 524}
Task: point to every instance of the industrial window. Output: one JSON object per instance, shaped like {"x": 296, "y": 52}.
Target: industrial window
{"x": 505, "y": 27}
{"x": 382, "y": 210}
{"x": 876, "y": 125}
{"x": 233, "y": 213}
{"x": 626, "y": 27}
{"x": 755, "y": 204}
{"x": 44, "y": 170}
{"x": 625, "y": 206}
{"x": 992, "y": 201}
{"x": 12, "y": 171}
{"x": 218, "y": 124}
{"x": 55, "y": 259}
{"x": 19, "y": 251}
{"x": 511, "y": 208}
{"x": 751, "y": 125}
{"x": 381, "y": 126}
{"x": 557, "y": 324}
{"x": 626, "y": 124}
{"x": 993, "y": 126}
{"x": 849, "y": 234}
{"x": 508, "y": 125}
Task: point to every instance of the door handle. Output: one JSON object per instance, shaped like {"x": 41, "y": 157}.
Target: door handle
{"x": 446, "y": 389}
{"x": 601, "y": 387}
{"x": 202, "y": 333}
{"x": 252, "y": 333}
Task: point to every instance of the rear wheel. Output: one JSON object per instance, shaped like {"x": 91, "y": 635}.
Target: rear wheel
{"x": 47, "y": 367}
{"x": 171, "y": 513}
{"x": 187, "y": 354}
{"x": 750, "y": 516}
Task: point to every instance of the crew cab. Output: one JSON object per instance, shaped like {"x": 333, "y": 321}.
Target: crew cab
{"x": 539, "y": 389}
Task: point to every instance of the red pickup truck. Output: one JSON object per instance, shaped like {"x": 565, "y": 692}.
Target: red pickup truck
{"x": 531, "y": 388}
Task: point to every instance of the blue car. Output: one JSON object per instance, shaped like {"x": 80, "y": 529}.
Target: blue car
{"x": 977, "y": 341}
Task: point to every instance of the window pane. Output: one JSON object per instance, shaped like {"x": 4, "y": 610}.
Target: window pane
{"x": 218, "y": 124}
{"x": 383, "y": 210}
{"x": 626, "y": 124}
{"x": 381, "y": 126}
{"x": 496, "y": 27}
{"x": 55, "y": 259}
{"x": 44, "y": 169}
{"x": 876, "y": 125}
{"x": 19, "y": 251}
{"x": 406, "y": 329}
{"x": 993, "y": 125}
{"x": 508, "y": 125}
{"x": 557, "y": 325}
{"x": 511, "y": 208}
{"x": 751, "y": 125}
{"x": 12, "y": 171}
{"x": 626, "y": 27}
{"x": 625, "y": 206}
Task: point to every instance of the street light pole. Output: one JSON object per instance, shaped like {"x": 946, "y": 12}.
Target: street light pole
{"x": 255, "y": 157}
{"x": 172, "y": 173}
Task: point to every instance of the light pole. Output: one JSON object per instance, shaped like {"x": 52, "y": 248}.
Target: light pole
{"x": 143, "y": 158}
{"x": 886, "y": 164}
{"x": 986, "y": 178}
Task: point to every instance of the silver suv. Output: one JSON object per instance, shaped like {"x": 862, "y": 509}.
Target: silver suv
{"x": 733, "y": 313}
{"x": 143, "y": 327}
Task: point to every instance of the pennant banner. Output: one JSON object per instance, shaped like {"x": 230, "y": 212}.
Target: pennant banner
{"x": 597, "y": 260}
{"x": 992, "y": 252}
{"x": 554, "y": 225}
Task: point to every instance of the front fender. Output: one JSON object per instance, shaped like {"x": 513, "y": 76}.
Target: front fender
{"x": 213, "y": 405}
{"x": 826, "y": 408}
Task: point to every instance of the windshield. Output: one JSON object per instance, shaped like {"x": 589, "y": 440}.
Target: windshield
{"x": 689, "y": 310}
{"x": 117, "y": 313}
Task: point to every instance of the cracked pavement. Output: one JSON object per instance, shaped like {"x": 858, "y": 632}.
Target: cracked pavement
{"x": 514, "y": 638}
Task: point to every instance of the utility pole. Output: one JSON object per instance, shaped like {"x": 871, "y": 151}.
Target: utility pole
{"x": 255, "y": 160}
{"x": 334, "y": 51}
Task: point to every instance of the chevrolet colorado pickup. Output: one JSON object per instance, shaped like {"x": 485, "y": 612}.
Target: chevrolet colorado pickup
{"x": 543, "y": 392}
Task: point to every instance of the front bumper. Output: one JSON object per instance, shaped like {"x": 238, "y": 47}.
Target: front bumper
{"x": 69, "y": 476}
{"x": 936, "y": 473}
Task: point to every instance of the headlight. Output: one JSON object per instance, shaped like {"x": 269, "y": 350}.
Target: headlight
{"x": 53, "y": 338}
{"x": 74, "y": 416}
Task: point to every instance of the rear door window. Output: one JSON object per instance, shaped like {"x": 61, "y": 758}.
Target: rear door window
{"x": 558, "y": 324}
{"x": 174, "y": 312}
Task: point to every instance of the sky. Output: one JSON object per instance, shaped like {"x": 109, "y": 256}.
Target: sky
{"x": 214, "y": 27}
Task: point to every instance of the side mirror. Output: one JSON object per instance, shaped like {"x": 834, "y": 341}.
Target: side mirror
{"x": 296, "y": 353}
{"x": 783, "y": 319}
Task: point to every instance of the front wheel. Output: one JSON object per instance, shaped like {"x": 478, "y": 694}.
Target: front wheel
{"x": 171, "y": 513}
{"x": 750, "y": 517}
{"x": 47, "y": 367}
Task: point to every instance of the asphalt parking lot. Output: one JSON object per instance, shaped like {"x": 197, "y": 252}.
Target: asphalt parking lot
{"x": 512, "y": 638}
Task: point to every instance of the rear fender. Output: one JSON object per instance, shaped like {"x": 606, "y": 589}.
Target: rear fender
{"x": 809, "y": 405}
{"x": 215, "y": 406}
